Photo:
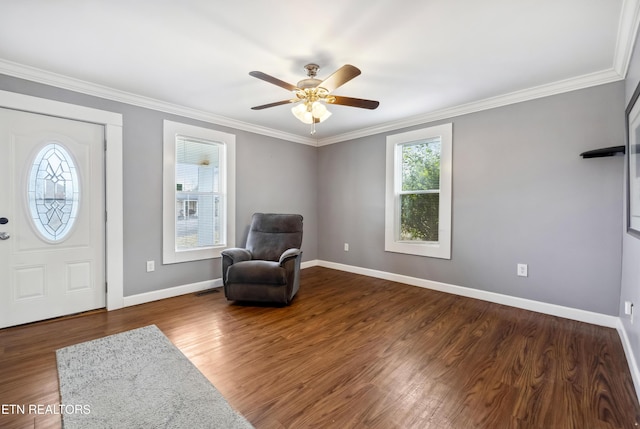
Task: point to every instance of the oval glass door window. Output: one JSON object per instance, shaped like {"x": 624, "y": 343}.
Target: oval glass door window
{"x": 53, "y": 192}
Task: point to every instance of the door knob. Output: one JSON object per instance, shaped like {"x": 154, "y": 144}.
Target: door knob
{"x": 3, "y": 220}
{"x": 4, "y": 236}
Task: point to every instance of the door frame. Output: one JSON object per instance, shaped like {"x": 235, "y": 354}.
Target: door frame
{"x": 112, "y": 122}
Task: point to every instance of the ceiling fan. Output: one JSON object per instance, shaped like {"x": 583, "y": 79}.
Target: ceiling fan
{"x": 312, "y": 94}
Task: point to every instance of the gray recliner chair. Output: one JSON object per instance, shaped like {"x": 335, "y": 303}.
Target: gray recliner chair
{"x": 268, "y": 269}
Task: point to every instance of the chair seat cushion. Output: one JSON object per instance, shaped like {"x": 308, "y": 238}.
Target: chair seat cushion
{"x": 263, "y": 272}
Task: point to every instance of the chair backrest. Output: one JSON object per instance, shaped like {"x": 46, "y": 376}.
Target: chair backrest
{"x": 271, "y": 234}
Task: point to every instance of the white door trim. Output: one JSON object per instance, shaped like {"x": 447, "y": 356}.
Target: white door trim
{"x": 112, "y": 123}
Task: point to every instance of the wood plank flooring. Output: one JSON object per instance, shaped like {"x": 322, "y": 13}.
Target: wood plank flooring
{"x": 358, "y": 352}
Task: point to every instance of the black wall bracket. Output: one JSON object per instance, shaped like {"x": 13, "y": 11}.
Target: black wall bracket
{"x": 606, "y": 151}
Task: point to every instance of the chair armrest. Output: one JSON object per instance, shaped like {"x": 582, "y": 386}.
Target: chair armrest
{"x": 231, "y": 256}
{"x": 289, "y": 254}
{"x": 237, "y": 254}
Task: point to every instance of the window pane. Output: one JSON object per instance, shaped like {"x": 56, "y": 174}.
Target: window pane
{"x": 198, "y": 223}
{"x": 419, "y": 217}
{"x": 197, "y": 203}
{"x": 197, "y": 165}
{"x": 421, "y": 165}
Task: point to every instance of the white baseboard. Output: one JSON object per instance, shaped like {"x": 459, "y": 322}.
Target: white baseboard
{"x": 526, "y": 304}
{"x": 631, "y": 359}
{"x": 309, "y": 264}
{"x": 156, "y": 295}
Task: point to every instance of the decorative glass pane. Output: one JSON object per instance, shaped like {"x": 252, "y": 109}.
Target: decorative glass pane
{"x": 419, "y": 217}
{"x": 421, "y": 165}
{"x": 197, "y": 193}
{"x": 53, "y": 192}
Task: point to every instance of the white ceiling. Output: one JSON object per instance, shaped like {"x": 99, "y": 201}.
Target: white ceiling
{"x": 421, "y": 59}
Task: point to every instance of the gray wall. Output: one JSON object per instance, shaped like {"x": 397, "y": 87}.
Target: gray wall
{"x": 272, "y": 175}
{"x": 630, "y": 290}
{"x": 521, "y": 194}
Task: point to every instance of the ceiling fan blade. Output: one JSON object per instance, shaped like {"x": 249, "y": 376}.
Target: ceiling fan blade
{"x": 356, "y": 102}
{"x": 277, "y": 103}
{"x": 273, "y": 80}
{"x": 341, "y": 76}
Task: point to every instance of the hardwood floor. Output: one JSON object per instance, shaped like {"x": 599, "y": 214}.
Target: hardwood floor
{"x": 358, "y": 352}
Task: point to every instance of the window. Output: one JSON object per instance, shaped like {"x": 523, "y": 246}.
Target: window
{"x": 199, "y": 192}
{"x": 418, "y": 192}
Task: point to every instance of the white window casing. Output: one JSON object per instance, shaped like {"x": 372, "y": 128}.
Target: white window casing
{"x": 436, "y": 249}
{"x": 173, "y": 251}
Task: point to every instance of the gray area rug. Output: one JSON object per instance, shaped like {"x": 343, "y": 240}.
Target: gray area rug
{"x": 138, "y": 379}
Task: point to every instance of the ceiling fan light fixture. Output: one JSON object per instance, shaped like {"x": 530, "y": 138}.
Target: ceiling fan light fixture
{"x": 324, "y": 116}
{"x": 318, "y": 109}
{"x": 300, "y": 111}
{"x": 309, "y": 113}
{"x": 308, "y": 118}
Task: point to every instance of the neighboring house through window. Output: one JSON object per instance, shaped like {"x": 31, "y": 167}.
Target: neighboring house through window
{"x": 418, "y": 192}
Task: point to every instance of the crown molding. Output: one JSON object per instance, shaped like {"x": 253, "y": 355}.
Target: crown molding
{"x": 567, "y": 85}
{"x": 60, "y": 81}
{"x": 627, "y": 30}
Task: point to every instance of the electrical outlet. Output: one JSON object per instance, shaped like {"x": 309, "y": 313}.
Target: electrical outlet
{"x": 346, "y": 247}
{"x": 628, "y": 308}
{"x": 151, "y": 266}
{"x": 523, "y": 270}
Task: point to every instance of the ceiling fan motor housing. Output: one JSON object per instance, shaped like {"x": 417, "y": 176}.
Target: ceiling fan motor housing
{"x": 311, "y": 81}
{"x": 308, "y": 83}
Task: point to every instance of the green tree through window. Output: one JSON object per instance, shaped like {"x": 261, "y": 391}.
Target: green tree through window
{"x": 420, "y": 191}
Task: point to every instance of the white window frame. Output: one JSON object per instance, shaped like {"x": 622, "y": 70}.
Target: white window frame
{"x": 172, "y": 130}
{"x": 392, "y": 243}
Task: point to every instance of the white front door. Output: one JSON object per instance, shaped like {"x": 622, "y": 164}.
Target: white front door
{"x": 52, "y": 217}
